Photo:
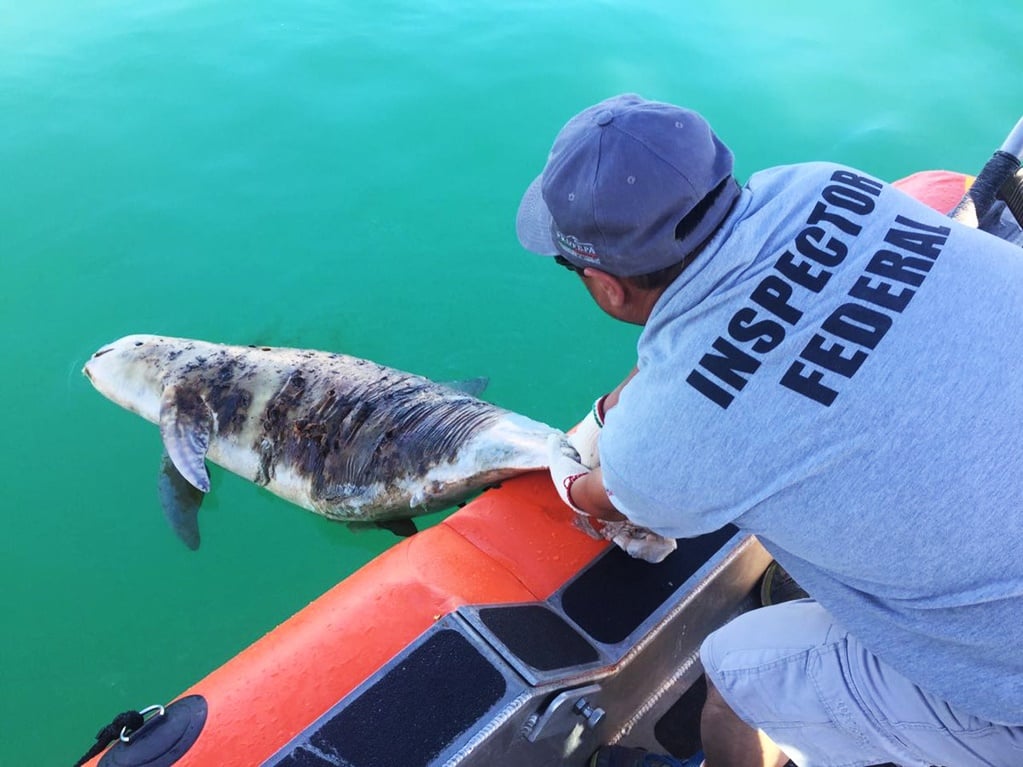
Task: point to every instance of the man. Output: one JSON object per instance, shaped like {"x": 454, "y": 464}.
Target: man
{"x": 837, "y": 369}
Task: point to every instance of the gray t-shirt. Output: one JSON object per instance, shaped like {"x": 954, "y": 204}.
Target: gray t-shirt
{"x": 840, "y": 372}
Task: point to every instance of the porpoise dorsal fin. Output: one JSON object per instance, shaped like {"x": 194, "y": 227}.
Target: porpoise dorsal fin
{"x": 180, "y": 502}
{"x": 471, "y": 386}
{"x": 186, "y": 425}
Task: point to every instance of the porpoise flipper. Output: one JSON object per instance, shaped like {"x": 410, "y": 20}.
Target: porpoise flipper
{"x": 186, "y": 425}
{"x": 403, "y": 528}
{"x": 180, "y": 501}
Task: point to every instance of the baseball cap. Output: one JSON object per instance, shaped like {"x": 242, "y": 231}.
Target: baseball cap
{"x": 620, "y": 177}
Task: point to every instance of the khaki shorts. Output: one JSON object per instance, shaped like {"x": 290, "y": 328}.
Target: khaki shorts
{"x": 794, "y": 673}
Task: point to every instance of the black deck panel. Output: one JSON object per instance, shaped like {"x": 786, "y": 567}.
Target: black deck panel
{"x": 612, "y": 598}
{"x": 433, "y": 695}
{"x": 538, "y": 636}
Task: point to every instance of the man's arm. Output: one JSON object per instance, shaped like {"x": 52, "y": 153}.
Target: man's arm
{"x": 612, "y": 399}
{"x": 583, "y": 489}
{"x": 579, "y": 486}
{"x": 586, "y": 492}
{"x": 587, "y": 433}
{"x": 589, "y": 496}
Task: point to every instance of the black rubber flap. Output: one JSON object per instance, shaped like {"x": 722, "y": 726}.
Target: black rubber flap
{"x": 163, "y": 739}
{"x": 538, "y": 636}
{"x": 1012, "y": 193}
{"x": 438, "y": 692}
{"x": 678, "y": 731}
{"x": 612, "y": 598}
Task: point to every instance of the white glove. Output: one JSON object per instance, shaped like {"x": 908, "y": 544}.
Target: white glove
{"x": 638, "y": 542}
{"x": 565, "y": 468}
{"x": 585, "y": 436}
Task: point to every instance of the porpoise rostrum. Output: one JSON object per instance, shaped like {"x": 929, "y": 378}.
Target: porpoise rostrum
{"x": 341, "y": 436}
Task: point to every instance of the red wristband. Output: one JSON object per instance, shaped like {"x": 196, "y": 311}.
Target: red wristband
{"x": 568, "y": 482}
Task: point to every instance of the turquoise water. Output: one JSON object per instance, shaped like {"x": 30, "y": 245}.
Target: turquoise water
{"x": 345, "y": 177}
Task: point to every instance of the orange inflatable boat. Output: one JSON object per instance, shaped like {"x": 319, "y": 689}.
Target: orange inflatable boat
{"x": 502, "y": 636}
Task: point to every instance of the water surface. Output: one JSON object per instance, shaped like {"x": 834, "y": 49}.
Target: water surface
{"x": 345, "y": 176}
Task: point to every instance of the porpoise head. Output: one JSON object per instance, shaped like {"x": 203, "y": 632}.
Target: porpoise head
{"x": 132, "y": 372}
{"x": 135, "y": 372}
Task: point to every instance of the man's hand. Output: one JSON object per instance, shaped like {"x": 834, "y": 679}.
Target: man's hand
{"x": 638, "y": 542}
{"x": 565, "y": 467}
{"x": 586, "y": 435}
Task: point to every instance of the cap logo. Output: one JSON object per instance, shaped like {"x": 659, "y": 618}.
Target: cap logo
{"x": 573, "y": 245}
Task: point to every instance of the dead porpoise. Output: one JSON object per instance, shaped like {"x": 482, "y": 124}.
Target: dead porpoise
{"x": 341, "y": 436}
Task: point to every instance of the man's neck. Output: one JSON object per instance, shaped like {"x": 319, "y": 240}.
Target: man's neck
{"x": 640, "y": 304}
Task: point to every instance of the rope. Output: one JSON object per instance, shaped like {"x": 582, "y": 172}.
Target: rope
{"x": 129, "y": 720}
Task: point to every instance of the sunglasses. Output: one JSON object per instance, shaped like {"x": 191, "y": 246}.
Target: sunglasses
{"x": 568, "y": 265}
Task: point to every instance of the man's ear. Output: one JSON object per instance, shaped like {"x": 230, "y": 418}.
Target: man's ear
{"x": 608, "y": 291}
